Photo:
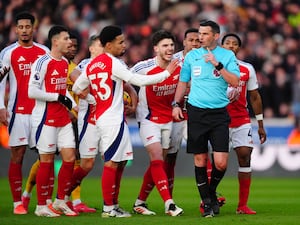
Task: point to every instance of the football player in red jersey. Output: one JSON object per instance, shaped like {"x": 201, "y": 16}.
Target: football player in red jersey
{"x": 15, "y": 65}
{"x": 51, "y": 124}
{"x": 240, "y": 132}
{"x": 154, "y": 115}
{"x": 106, "y": 75}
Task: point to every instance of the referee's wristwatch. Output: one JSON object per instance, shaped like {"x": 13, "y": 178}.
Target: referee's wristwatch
{"x": 175, "y": 104}
{"x": 219, "y": 66}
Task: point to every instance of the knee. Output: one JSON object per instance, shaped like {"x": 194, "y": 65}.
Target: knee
{"x": 87, "y": 164}
{"x": 221, "y": 166}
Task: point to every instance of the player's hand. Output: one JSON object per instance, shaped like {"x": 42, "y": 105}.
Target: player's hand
{"x": 65, "y": 101}
{"x": 233, "y": 94}
{"x": 262, "y": 135}
{"x": 3, "y": 71}
{"x": 172, "y": 66}
{"x": 4, "y": 116}
{"x": 177, "y": 114}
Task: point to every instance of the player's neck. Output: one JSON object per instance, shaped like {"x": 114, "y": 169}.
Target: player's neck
{"x": 25, "y": 44}
{"x": 56, "y": 54}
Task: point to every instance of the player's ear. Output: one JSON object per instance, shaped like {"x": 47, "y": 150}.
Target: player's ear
{"x": 217, "y": 36}
{"x": 155, "y": 48}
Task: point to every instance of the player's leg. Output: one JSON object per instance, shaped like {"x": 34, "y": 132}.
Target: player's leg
{"x": 66, "y": 145}
{"x": 76, "y": 192}
{"x": 140, "y": 206}
{"x": 86, "y": 165}
{"x": 31, "y": 181}
{"x": 15, "y": 177}
{"x": 46, "y": 155}
{"x": 115, "y": 145}
{"x": 19, "y": 131}
{"x": 170, "y": 157}
{"x": 244, "y": 177}
{"x": 242, "y": 144}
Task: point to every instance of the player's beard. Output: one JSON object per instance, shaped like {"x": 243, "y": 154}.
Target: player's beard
{"x": 25, "y": 41}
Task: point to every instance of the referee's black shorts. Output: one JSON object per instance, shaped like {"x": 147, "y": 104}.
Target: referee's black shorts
{"x": 207, "y": 125}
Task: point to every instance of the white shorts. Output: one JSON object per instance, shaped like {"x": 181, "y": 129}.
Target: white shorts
{"x": 176, "y": 136}
{"x": 151, "y": 132}
{"x": 241, "y": 136}
{"x": 20, "y": 130}
{"x": 89, "y": 139}
{"x": 115, "y": 143}
{"x": 49, "y": 139}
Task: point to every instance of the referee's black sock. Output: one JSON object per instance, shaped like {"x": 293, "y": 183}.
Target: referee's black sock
{"x": 216, "y": 177}
{"x": 202, "y": 184}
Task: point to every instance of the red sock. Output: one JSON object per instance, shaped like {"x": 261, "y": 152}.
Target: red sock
{"x": 170, "y": 172}
{"x": 64, "y": 179}
{"x": 108, "y": 184}
{"x": 119, "y": 174}
{"x": 77, "y": 177}
{"x": 15, "y": 180}
{"x": 147, "y": 186}
{"x": 51, "y": 181}
{"x": 208, "y": 169}
{"x": 42, "y": 182}
{"x": 160, "y": 179}
{"x": 244, "y": 190}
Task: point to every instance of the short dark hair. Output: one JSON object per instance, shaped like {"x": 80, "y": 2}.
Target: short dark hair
{"x": 74, "y": 34}
{"x": 24, "y": 16}
{"x": 190, "y": 30}
{"x": 92, "y": 39}
{"x": 56, "y": 29}
{"x": 160, "y": 35}
{"x": 231, "y": 35}
{"x": 109, "y": 33}
{"x": 209, "y": 23}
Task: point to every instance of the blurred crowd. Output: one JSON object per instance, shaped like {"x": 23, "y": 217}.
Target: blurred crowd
{"x": 269, "y": 29}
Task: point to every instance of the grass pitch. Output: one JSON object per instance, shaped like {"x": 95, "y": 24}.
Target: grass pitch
{"x": 276, "y": 200}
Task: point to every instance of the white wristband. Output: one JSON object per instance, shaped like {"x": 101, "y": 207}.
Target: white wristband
{"x": 259, "y": 117}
